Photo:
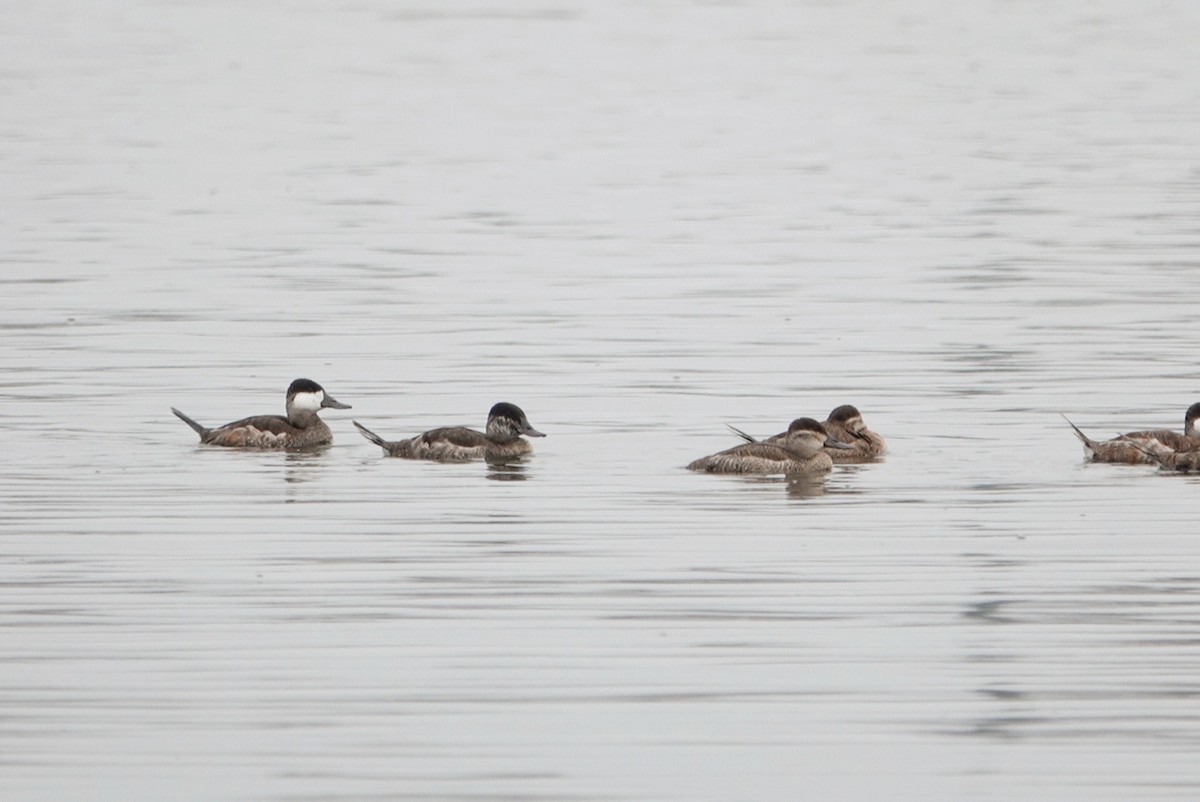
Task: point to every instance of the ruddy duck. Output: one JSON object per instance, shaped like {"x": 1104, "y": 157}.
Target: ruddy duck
{"x": 798, "y": 450}
{"x": 1139, "y": 447}
{"x": 845, "y": 424}
{"x": 302, "y": 428}
{"x": 502, "y": 441}
{"x": 1184, "y": 461}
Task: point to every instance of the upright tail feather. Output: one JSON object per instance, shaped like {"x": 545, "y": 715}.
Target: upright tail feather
{"x": 200, "y": 430}
{"x": 749, "y": 438}
{"x": 370, "y": 435}
{"x": 1088, "y": 443}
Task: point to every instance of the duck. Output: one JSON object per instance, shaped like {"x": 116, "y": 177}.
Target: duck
{"x": 1184, "y": 461}
{"x": 799, "y": 450}
{"x": 500, "y": 442}
{"x": 1134, "y": 448}
{"x": 301, "y": 428}
{"x": 845, "y": 424}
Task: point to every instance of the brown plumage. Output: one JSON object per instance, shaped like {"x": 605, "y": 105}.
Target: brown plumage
{"x": 301, "y": 428}
{"x": 501, "y": 441}
{"x": 1182, "y": 461}
{"x": 796, "y": 451}
{"x": 844, "y": 424}
{"x": 1134, "y": 448}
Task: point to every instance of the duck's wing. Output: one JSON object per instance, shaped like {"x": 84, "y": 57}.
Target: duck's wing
{"x": 459, "y": 436}
{"x": 1167, "y": 438}
{"x": 259, "y": 431}
{"x": 450, "y": 443}
{"x": 747, "y": 458}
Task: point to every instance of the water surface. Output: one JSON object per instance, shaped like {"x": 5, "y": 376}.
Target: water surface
{"x": 639, "y": 222}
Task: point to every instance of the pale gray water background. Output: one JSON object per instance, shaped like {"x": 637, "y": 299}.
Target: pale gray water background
{"x": 639, "y": 221}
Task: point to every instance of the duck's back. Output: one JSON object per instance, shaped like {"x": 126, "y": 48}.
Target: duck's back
{"x": 1171, "y": 439}
{"x": 1132, "y": 447}
{"x": 449, "y": 444}
{"x": 268, "y": 431}
{"x": 759, "y": 458}
{"x": 454, "y": 443}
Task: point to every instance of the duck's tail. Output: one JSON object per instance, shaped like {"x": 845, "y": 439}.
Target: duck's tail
{"x": 749, "y": 438}
{"x": 196, "y": 427}
{"x": 1089, "y": 444}
{"x": 370, "y": 435}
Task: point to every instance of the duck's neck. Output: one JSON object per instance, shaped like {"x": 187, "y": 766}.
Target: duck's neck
{"x": 499, "y": 432}
{"x": 302, "y": 418}
{"x": 801, "y": 449}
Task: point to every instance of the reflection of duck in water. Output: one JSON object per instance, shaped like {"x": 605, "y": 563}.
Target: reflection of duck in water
{"x": 1140, "y": 447}
{"x": 301, "y": 428}
{"x": 796, "y": 451}
{"x": 844, "y": 423}
{"x": 501, "y": 441}
{"x": 806, "y": 485}
{"x": 507, "y": 470}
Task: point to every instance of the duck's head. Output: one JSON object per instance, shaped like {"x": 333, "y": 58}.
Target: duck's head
{"x": 507, "y": 421}
{"x": 808, "y": 436}
{"x": 849, "y": 418}
{"x": 305, "y": 395}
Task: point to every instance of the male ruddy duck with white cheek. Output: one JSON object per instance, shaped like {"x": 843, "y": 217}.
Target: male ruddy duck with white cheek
{"x": 301, "y": 428}
{"x": 500, "y": 442}
{"x": 796, "y": 451}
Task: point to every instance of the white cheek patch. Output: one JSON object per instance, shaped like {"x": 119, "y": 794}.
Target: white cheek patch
{"x": 309, "y": 402}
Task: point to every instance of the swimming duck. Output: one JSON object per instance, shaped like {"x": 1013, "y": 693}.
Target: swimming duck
{"x": 1137, "y": 447}
{"x": 500, "y": 442}
{"x": 301, "y": 428}
{"x": 1184, "y": 461}
{"x": 844, "y": 423}
{"x": 798, "y": 450}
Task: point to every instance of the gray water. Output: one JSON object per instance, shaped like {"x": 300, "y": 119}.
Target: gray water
{"x": 639, "y": 221}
